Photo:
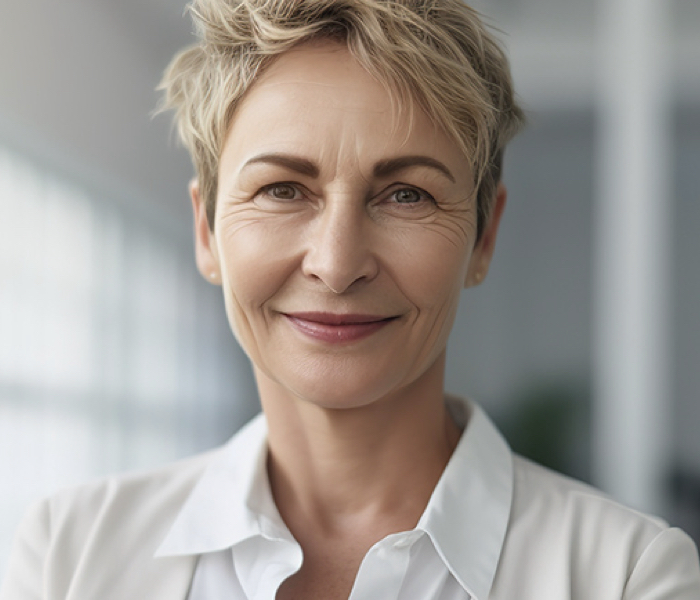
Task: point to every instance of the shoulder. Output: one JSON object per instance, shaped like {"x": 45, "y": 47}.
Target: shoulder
{"x": 555, "y": 511}
{"x": 567, "y": 535}
{"x": 148, "y": 490}
{"x": 102, "y": 511}
{"x": 69, "y": 538}
{"x": 99, "y": 540}
{"x": 545, "y": 494}
{"x": 123, "y": 500}
{"x": 149, "y": 497}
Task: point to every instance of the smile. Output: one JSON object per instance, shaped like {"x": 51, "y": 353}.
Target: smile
{"x": 334, "y": 328}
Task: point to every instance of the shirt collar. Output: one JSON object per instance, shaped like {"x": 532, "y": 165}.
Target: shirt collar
{"x": 231, "y": 501}
{"x": 468, "y": 514}
{"x": 466, "y": 517}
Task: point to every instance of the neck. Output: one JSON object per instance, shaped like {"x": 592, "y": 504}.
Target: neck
{"x": 341, "y": 468}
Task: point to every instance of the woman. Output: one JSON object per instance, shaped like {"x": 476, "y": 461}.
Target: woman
{"x": 348, "y": 157}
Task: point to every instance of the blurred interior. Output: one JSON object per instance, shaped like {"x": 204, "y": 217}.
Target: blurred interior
{"x": 115, "y": 355}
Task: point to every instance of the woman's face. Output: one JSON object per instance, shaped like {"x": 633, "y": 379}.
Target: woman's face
{"x": 343, "y": 235}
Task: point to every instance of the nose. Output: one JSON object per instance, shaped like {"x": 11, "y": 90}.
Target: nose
{"x": 339, "y": 248}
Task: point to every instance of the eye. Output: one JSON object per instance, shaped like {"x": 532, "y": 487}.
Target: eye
{"x": 407, "y": 196}
{"x": 281, "y": 191}
{"x": 405, "y": 201}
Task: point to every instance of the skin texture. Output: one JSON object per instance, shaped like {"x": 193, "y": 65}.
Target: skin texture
{"x": 331, "y": 202}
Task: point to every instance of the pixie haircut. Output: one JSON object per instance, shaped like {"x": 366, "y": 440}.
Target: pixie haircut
{"x": 434, "y": 54}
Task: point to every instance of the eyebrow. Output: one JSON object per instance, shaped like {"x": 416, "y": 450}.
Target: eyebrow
{"x": 383, "y": 168}
{"x": 293, "y": 163}
{"x": 387, "y": 167}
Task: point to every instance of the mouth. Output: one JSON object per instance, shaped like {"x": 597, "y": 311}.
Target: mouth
{"x": 335, "y": 328}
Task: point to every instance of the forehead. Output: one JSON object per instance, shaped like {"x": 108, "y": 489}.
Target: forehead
{"x": 318, "y": 100}
{"x": 325, "y": 70}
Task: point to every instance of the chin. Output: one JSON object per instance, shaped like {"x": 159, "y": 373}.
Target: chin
{"x": 342, "y": 395}
{"x": 350, "y": 399}
{"x": 334, "y": 388}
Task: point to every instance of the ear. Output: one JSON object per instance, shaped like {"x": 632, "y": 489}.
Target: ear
{"x": 206, "y": 253}
{"x": 483, "y": 251}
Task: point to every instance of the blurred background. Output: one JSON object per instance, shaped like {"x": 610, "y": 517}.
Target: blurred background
{"x": 583, "y": 344}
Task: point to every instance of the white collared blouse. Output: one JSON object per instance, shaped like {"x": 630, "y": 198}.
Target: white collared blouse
{"x": 496, "y": 527}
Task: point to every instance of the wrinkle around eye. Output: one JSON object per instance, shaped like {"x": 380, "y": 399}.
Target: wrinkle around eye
{"x": 238, "y": 216}
{"x": 456, "y": 233}
{"x": 431, "y": 210}
{"x": 455, "y": 222}
{"x": 239, "y": 213}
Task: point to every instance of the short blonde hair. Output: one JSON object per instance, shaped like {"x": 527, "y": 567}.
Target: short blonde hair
{"x": 436, "y": 53}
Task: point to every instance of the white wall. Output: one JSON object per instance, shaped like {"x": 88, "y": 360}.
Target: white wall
{"x": 77, "y": 84}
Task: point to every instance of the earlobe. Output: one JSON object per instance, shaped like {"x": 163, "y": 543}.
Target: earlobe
{"x": 483, "y": 251}
{"x": 205, "y": 245}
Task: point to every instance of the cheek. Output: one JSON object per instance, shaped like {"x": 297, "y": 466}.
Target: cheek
{"x": 256, "y": 256}
{"x": 433, "y": 268}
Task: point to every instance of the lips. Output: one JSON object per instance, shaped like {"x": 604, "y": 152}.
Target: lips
{"x": 334, "y": 328}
